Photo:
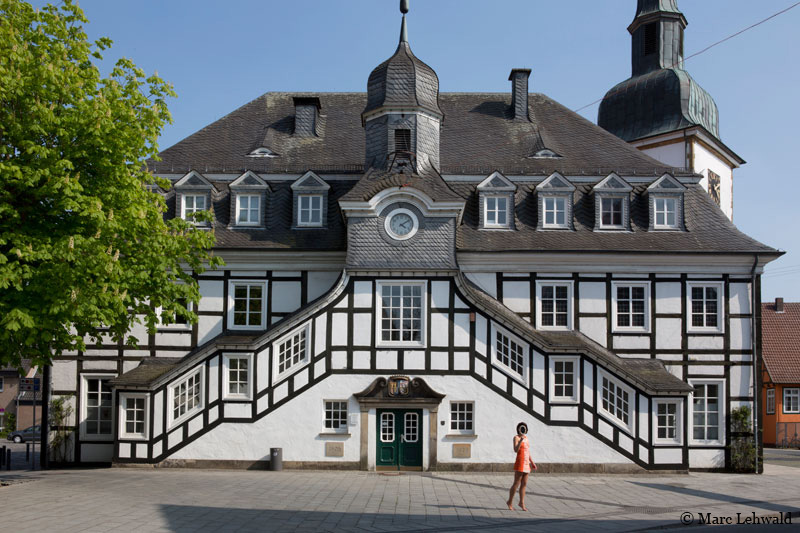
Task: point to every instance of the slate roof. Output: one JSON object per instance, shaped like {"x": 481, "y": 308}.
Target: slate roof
{"x": 148, "y": 371}
{"x": 651, "y": 374}
{"x": 780, "y": 342}
{"x": 375, "y": 181}
{"x": 478, "y": 137}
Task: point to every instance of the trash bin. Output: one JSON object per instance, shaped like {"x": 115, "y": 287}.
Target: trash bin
{"x": 276, "y": 459}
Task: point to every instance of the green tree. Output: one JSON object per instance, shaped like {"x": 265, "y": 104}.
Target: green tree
{"x": 83, "y": 240}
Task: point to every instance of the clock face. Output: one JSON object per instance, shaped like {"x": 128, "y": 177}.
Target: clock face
{"x": 401, "y": 224}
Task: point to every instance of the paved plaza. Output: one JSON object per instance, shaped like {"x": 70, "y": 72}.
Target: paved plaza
{"x": 127, "y": 499}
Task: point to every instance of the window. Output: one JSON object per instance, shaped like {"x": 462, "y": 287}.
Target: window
{"x": 667, "y": 423}
{"x": 555, "y": 212}
{"x": 616, "y": 401}
{"x": 336, "y": 415}
{"x": 98, "y": 413}
{"x": 186, "y": 397}
{"x": 387, "y": 427}
{"x": 292, "y": 350}
{"x": 247, "y": 308}
{"x": 402, "y": 140}
{"x": 402, "y": 312}
{"x": 411, "y": 427}
{"x": 176, "y": 319}
{"x": 461, "y": 417}
{"x": 133, "y": 410}
{"x": 193, "y": 203}
{"x": 2, "y": 383}
{"x": 706, "y": 414}
{"x": 510, "y": 353}
{"x": 631, "y": 306}
{"x": 611, "y": 212}
{"x": 665, "y": 213}
{"x": 496, "y": 214}
{"x": 705, "y": 300}
{"x": 563, "y": 379}
{"x": 791, "y": 401}
{"x": 555, "y": 307}
{"x": 237, "y": 382}
{"x": 248, "y": 210}
{"x": 770, "y": 401}
{"x": 310, "y": 213}
{"x": 650, "y": 38}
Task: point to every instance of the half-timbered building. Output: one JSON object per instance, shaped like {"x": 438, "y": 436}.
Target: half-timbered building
{"x": 409, "y": 274}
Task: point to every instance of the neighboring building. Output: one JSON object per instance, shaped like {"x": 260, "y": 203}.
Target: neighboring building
{"x": 410, "y": 274}
{"x": 662, "y": 111}
{"x": 14, "y": 402}
{"x": 780, "y": 340}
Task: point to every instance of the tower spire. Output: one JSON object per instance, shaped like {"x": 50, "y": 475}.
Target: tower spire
{"x": 403, "y": 27}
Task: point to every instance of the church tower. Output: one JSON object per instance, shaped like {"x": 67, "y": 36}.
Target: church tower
{"x": 402, "y": 117}
{"x": 662, "y": 110}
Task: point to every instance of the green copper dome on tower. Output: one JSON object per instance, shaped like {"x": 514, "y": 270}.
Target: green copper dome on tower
{"x": 660, "y": 96}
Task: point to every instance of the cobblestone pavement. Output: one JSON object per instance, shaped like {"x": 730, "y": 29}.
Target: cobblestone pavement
{"x": 782, "y": 457}
{"x": 215, "y": 500}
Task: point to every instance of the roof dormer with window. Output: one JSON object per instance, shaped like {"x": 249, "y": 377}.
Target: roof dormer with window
{"x": 248, "y": 201}
{"x": 193, "y": 193}
{"x": 496, "y": 200}
{"x": 310, "y": 201}
{"x": 665, "y": 201}
{"x": 554, "y": 203}
{"x": 612, "y": 204}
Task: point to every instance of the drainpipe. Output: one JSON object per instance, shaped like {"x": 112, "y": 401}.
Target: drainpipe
{"x": 754, "y": 330}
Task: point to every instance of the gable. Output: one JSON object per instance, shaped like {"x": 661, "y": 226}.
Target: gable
{"x": 496, "y": 182}
{"x": 194, "y": 180}
{"x": 310, "y": 182}
{"x": 613, "y": 183}
{"x": 555, "y": 183}
{"x": 666, "y": 183}
{"x": 249, "y": 180}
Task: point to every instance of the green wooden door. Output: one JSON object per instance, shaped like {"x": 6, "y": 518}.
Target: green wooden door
{"x": 399, "y": 439}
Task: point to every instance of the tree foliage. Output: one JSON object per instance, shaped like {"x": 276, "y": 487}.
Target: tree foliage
{"x": 85, "y": 251}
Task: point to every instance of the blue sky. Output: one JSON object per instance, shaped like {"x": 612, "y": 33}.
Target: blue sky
{"x": 222, "y": 55}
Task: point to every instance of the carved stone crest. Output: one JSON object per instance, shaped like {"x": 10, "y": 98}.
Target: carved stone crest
{"x": 398, "y": 386}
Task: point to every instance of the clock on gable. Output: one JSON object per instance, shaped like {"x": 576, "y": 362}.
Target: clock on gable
{"x": 714, "y": 186}
{"x": 401, "y": 224}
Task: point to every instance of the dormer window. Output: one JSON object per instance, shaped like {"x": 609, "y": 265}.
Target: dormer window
{"x": 310, "y": 210}
{"x": 666, "y": 204}
{"x": 248, "y": 199}
{"x": 555, "y": 202}
{"x": 310, "y": 194}
{"x": 612, "y": 203}
{"x": 496, "y": 197}
{"x": 496, "y": 215}
{"x": 611, "y": 212}
{"x": 402, "y": 140}
{"x": 193, "y": 195}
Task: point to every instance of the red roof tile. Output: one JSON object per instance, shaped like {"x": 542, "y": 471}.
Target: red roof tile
{"x": 780, "y": 334}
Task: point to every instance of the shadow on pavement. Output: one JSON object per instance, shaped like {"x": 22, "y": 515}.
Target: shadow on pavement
{"x": 715, "y": 496}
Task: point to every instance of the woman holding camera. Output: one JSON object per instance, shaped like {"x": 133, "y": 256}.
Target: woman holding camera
{"x": 522, "y": 466}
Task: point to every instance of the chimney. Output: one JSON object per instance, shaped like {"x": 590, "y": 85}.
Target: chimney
{"x": 306, "y": 116}
{"x": 519, "y": 93}
{"x": 779, "y": 305}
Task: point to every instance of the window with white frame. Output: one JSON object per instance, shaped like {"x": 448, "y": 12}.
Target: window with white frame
{"x": 336, "y": 415}
{"x": 248, "y": 210}
{"x": 707, "y": 412}
{"x": 237, "y": 379}
{"x": 401, "y": 313}
{"x": 791, "y": 401}
{"x": 631, "y": 306}
{"x": 462, "y": 417}
{"x": 555, "y": 212}
{"x": 292, "y": 350}
{"x": 611, "y": 210}
{"x": 510, "y": 353}
{"x": 705, "y": 301}
{"x": 193, "y": 203}
{"x": 187, "y": 396}
{"x": 496, "y": 212}
{"x": 98, "y": 411}
{"x": 770, "y": 401}
{"x": 667, "y": 421}
{"x": 309, "y": 210}
{"x": 176, "y": 320}
{"x": 564, "y": 379}
{"x": 616, "y": 401}
{"x": 133, "y": 410}
{"x": 555, "y": 305}
{"x": 248, "y": 301}
{"x": 666, "y": 213}
{"x": 2, "y": 383}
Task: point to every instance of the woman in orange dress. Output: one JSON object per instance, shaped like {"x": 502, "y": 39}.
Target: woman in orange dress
{"x": 522, "y": 466}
